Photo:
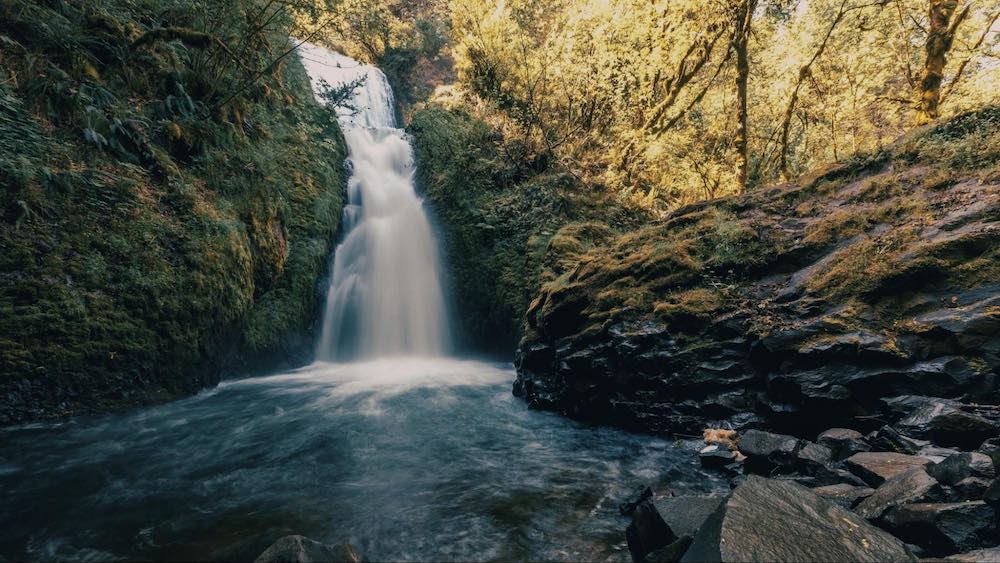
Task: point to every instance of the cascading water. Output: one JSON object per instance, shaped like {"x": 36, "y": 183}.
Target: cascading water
{"x": 385, "y": 296}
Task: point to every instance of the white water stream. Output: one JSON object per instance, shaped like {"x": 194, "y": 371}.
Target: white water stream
{"x": 385, "y": 296}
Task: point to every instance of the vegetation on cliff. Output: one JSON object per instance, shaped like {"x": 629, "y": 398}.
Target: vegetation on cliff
{"x": 171, "y": 193}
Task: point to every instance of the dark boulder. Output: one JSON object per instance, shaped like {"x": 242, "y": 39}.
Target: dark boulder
{"x": 715, "y": 456}
{"x": 634, "y": 499}
{"x": 947, "y": 425}
{"x": 913, "y": 485}
{"x": 300, "y": 549}
{"x": 670, "y": 553}
{"x": 765, "y": 451}
{"x": 647, "y": 532}
{"x": 991, "y": 448}
{"x": 943, "y": 528}
{"x": 959, "y": 467}
{"x": 876, "y": 467}
{"x": 771, "y": 520}
{"x": 685, "y": 515}
{"x": 844, "y": 494}
{"x": 843, "y": 442}
{"x": 888, "y": 439}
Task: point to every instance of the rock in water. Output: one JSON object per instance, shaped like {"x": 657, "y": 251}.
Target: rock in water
{"x": 300, "y": 549}
{"x": 771, "y": 520}
{"x": 647, "y": 532}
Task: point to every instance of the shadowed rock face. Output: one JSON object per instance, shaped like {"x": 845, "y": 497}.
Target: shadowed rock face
{"x": 805, "y": 304}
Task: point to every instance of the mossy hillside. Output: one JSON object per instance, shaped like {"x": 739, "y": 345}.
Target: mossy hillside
{"x": 162, "y": 221}
{"x": 499, "y": 209}
{"x": 914, "y": 219}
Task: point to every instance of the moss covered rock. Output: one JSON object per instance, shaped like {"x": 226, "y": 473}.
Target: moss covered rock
{"x": 805, "y": 303}
{"x": 161, "y": 224}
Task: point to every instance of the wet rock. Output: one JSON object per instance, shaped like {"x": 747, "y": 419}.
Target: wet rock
{"x": 843, "y": 442}
{"x": 988, "y": 555}
{"x": 812, "y": 456}
{"x": 844, "y": 494}
{"x": 937, "y": 454}
{"x": 876, "y": 467}
{"x": 991, "y": 448}
{"x": 647, "y": 532}
{"x": 944, "y": 528}
{"x": 765, "y": 450}
{"x": 959, "y": 467}
{"x": 685, "y": 515}
{"x": 634, "y": 499}
{"x": 909, "y": 486}
{"x": 992, "y": 494}
{"x": 947, "y": 425}
{"x": 888, "y": 439}
{"x": 670, "y": 553}
{"x": 300, "y": 549}
{"x": 771, "y": 520}
{"x": 714, "y": 456}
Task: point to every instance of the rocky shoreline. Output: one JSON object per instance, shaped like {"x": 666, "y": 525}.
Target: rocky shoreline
{"x": 923, "y": 486}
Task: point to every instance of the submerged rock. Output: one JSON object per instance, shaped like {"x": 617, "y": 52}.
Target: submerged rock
{"x": 771, "y": 520}
{"x": 300, "y": 549}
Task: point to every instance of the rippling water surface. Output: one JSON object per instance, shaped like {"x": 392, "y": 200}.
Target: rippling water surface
{"x": 406, "y": 459}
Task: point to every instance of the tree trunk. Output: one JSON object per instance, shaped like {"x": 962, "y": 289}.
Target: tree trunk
{"x": 940, "y": 34}
{"x": 741, "y": 39}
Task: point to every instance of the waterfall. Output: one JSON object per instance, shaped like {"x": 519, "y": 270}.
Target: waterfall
{"x": 385, "y": 296}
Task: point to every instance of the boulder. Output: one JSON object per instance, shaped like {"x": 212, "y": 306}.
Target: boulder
{"x": 634, "y": 499}
{"x": 812, "y": 456}
{"x": 765, "y": 451}
{"x": 943, "y": 528}
{"x": 888, "y": 439}
{"x": 991, "y": 448}
{"x": 714, "y": 456}
{"x": 647, "y": 532}
{"x": 685, "y": 515}
{"x": 961, "y": 466}
{"x": 771, "y": 520}
{"x": 947, "y": 425}
{"x": 300, "y": 549}
{"x": 876, "y": 467}
{"x": 911, "y": 485}
{"x": 843, "y": 442}
{"x": 988, "y": 555}
{"x": 844, "y": 494}
{"x": 670, "y": 553}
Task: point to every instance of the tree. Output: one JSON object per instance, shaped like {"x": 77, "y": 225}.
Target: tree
{"x": 940, "y": 35}
{"x": 743, "y": 21}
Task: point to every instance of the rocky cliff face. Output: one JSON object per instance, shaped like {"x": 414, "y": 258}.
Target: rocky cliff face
{"x": 805, "y": 304}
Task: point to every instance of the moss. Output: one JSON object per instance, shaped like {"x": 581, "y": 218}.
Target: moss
{"x": 689, "y": 306}
{"x": 506, "y": 222}
{"x": 147, "y": 247}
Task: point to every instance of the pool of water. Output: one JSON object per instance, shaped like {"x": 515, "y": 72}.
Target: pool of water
{"x": 406, "y": 459}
